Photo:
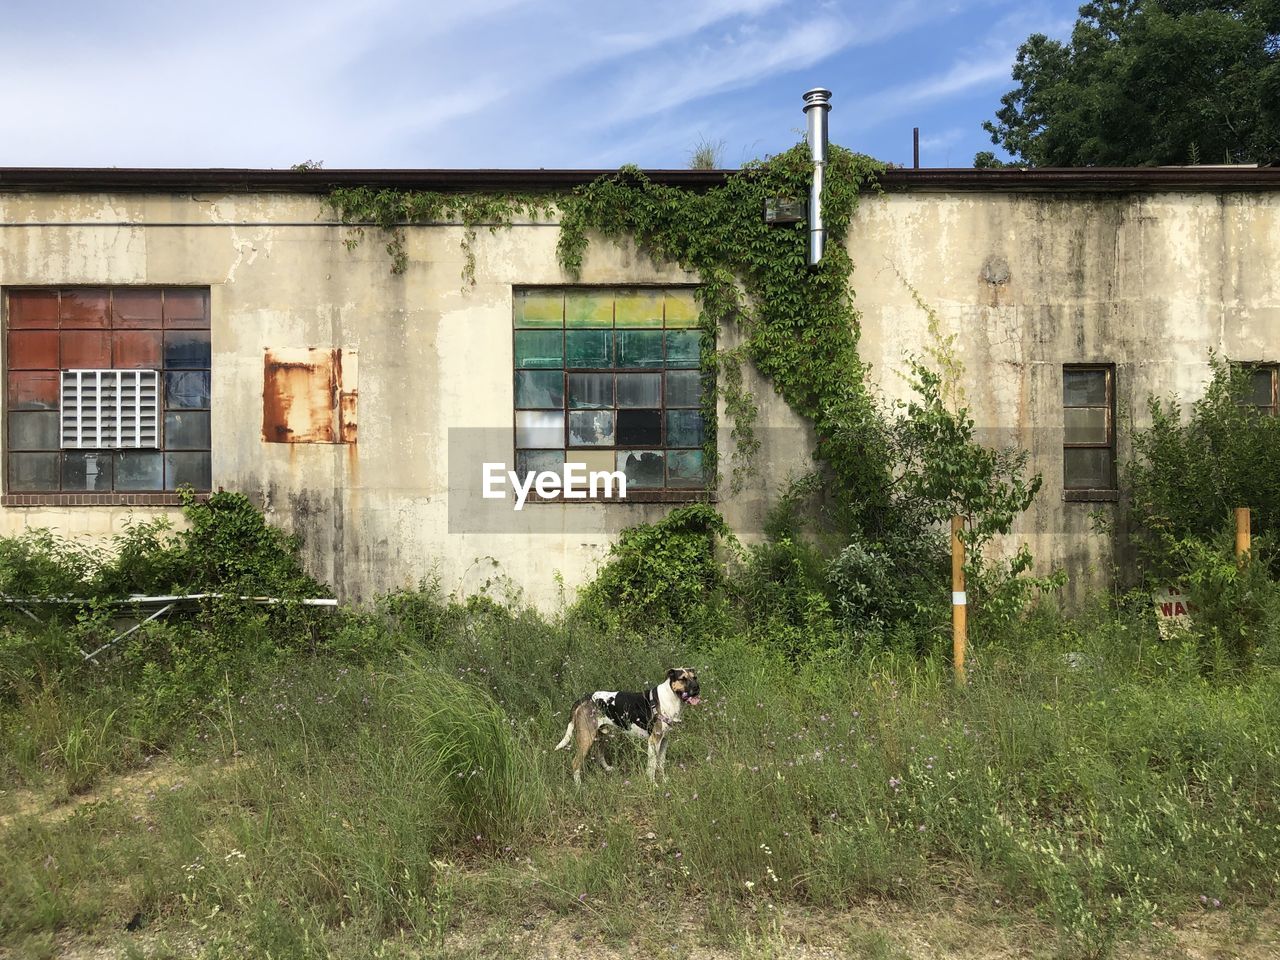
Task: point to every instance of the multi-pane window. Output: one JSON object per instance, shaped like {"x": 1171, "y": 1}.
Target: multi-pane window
{"x": 107, "y": 389}
{"x": 1261, "y": 392}
{"x": 610, "y": 378}
{"x": 1089, "y": 441}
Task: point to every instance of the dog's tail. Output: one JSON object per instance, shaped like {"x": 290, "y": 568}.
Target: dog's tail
{"x": 568, "y": 735}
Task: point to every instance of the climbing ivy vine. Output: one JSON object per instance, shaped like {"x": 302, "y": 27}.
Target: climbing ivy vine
{"x": 799, "y": 325}
{"x": 390, "y": 210}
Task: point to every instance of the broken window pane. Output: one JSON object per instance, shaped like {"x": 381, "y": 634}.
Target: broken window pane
{"x": 590, "y": 348}
{"x": 1084, "y": 388}
{"x": 639, "y": 389}
{"x": 1086, "y": 424}
{"x": 639, "y": 428}
{"x": 187, "y": 470}
{"x": 539, "y": 389}
{"x": 539, "y": 308}
{"x": 86, "y": 471}
{"x": 33, "y": 471}
{"x": 139, "y": 471}
{"x": 639, "y": 348}
{"x": 538, "y": 461}
{"x": 1087, "y": 469}
{"x": 684, "y": 388}
{"x": 590, "y": 390}
{"x": 588, "y": 308}
{"x": 591, "y": 428}
{"x": 684, "y": 428}
{"x": 684, "y": 468}
{"x": 643, "y": 468}
{"x": 187, "y": 431}
{"x": 185, "y": 389}
{"x": 539, "y": 348}
{"x": 539, "y": 430}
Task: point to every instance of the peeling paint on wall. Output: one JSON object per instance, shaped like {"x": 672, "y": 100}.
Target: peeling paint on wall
{"x": 309, "y": 395}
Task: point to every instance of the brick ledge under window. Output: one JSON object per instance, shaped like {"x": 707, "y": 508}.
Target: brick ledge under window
{"x": 1090, "y": 496}
{"x": 166, "y": 499}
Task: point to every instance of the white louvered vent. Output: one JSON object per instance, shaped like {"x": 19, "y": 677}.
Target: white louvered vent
{"x": 110, "y": 409}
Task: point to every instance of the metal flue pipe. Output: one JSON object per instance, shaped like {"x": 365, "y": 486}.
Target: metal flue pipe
{"x": 817, "y": 104}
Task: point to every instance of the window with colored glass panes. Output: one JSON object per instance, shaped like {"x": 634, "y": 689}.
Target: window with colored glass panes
{"x": 610, "y": 378}
{"x": 101, "y": 332}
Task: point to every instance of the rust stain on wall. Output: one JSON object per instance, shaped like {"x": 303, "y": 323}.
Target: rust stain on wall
{"x": 308, "y": 396}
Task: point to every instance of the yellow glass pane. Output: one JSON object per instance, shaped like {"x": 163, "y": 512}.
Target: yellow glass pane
{"x": 642, "y": 308}
{"x": 682, "y": 309}
{"x": 539, "y": 308}
{"x": 589, "y": 308}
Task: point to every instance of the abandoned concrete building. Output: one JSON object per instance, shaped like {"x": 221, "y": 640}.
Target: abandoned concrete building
{"x": 212, "y": 328}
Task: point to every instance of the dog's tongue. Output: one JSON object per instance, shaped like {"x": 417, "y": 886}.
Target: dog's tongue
{"x": 693, "y": 701}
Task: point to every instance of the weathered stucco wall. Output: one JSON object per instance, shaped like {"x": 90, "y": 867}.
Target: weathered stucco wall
{"x": 1150, "y": 283}
{"x": 1028, "y": 283}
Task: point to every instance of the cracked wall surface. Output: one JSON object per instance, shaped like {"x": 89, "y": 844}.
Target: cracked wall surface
{"x": 1028, "y": 282}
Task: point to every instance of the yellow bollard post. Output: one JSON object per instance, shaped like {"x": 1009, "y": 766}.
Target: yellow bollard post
{"x": 959, "y": 604}
{"x": 1244, "y": 536}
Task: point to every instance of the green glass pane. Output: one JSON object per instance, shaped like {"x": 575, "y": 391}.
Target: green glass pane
{"x": 639, "y": 348}
{"x": 639, "y": 308}
{"x": 684, "y": 348}
{"x": 681, "y": 308}
{"x": 588, "y": 308}
{"x": 684, "y": 468}
{"x": 643, "y": 468}
{"x": 539, "y": 389}
{"x": 1084, "y": 388}
{"x": 590, "y": 348}
{"x": 684, "y": 428}
{"x": 539, "y": 348}
{"x": 684, "y": 388}
{"x": 539, "y": 308}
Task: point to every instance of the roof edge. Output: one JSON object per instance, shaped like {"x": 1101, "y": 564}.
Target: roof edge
{"x": 230, "y": 180}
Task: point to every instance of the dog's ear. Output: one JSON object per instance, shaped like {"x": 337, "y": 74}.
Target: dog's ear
{"x": 675, "y": 673}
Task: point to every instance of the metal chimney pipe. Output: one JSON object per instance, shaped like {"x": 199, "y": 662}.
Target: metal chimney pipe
{"x": 817, "y": 104}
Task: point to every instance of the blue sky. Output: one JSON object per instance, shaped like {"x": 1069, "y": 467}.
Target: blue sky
{"x": 499, "y": 83}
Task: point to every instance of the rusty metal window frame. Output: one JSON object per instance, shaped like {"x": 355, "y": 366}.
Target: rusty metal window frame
{"x": 1263, "y": 366}
{"x": 665, "y": 493}
{"x": 1108, "y": 370}
{"x": 62, "y": 495}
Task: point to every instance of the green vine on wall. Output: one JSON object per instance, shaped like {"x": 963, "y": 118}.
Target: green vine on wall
{"x": 391, "y": 210}
{"x": 799, "y": 324}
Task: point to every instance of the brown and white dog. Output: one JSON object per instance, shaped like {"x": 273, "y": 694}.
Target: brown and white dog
{"x": 646, "y": 716}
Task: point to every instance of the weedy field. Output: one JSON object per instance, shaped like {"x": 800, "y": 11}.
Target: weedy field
{"x": 393, "y": 793}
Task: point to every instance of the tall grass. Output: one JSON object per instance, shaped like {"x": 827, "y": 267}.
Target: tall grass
{"x": 1102, "y": 790}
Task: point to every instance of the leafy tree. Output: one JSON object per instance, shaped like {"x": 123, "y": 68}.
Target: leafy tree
{"x": 1148, "y": 82}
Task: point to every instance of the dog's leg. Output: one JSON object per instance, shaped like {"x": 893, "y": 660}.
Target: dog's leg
{"x": 655, "y": 745}
{"x": 599, "y": 755}
{"x": 584, "y": 726}
{"x": 662, "y": 759}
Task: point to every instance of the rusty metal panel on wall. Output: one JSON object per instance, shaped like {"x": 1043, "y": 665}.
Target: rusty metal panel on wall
{"x": 309, "y": 395}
